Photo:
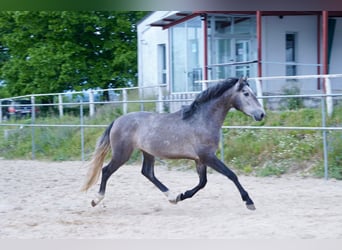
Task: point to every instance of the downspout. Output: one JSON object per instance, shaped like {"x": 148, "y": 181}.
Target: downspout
{"x": 318, "y": 51}
{"x": 325, "y": 45}
{"x": 326, "y": 86}
{"x": 205, "y": 48}
{"x": 259, "y": 51}
{"x": 258, "y": 19}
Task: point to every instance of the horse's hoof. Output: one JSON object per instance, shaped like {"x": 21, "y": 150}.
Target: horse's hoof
{"x": 172, "y": 198}
{"x": 93, "y": 203}
{"x": 97, "y": 200}
{"x": 176, "y": 200}
{"x": 250, "y": 206}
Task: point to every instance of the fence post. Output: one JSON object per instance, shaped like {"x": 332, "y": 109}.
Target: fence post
{"x": 0, "y": 112}
{"x": 82, "y": 130}
{"x": 160, "y": 100}
{"x": 259, "y": 91}
{"x": 124, "y": 101}
{"x": 33, "y": 120}
{"x": 204, "y": 86}
{"x": 222, "y": 145}
{"x": 60, "y": 105}
{"x": 330, "y": 104}
{"x": 325, "y": 145}
{"x": 91, "y": 103}
{"x": 141, "y": 97}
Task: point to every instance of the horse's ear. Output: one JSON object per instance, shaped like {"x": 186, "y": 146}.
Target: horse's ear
{"x": 242, "y": 79}
{"x": 240, "y": 83}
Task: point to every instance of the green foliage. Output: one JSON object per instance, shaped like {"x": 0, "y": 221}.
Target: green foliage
{"x": 271, "y": 170}
{"x": 275, "y": 152}
{"x": 52, "y": 51}
{"x": 334, "y": 157}
{"x": 295, "y": 102}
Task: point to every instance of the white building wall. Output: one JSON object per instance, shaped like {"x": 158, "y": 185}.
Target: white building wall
{"x": 148, "y": 40}
{"x": 274, "y": 47}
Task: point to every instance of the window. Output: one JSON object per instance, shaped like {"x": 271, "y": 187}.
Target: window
{"x": 291, "y": 50}
{"x": 231, "y": 45}
{"x": 186, "y": 54}
{"x": 161, "y": 64}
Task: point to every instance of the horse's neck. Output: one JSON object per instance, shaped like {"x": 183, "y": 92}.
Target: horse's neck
{"x": 216, "y": 112}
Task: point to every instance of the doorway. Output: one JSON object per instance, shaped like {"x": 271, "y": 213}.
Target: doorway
{"x": 230, "y": 52}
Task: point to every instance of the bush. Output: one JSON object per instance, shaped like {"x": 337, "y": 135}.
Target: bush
{"x": 293, "y": 103}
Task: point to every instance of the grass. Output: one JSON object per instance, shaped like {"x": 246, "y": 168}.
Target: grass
{"x": 255, "y": 152}
{"x": 276, "y": 152}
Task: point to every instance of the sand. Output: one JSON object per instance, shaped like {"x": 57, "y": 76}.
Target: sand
{"x": 41, "y": 200}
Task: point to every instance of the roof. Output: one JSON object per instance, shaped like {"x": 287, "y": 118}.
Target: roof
{"x": 172, "y": 18}
{"x": 183, "y": 16}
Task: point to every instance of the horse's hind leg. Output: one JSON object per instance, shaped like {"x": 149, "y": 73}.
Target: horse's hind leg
{"x": 202, "y": 173}
{"x": 107, "y": 171}
{"x": 116, "y": 162}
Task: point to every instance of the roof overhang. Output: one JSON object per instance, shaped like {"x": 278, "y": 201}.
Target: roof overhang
{"x": 183, "y": 16}
{"x": 173, "y": 19}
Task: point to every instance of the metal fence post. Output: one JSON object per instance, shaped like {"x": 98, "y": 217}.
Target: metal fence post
{"x": 124, "y": 101}
{"x": 222, "y": 145}
{"x": 325, "y": 146}
{"x": 0, "y": 112}
{"x": 91, "y": 103}
{"x": 259, "y": 91}
{"x": 33, "y": 120}
{"x": 330, "y": 103}
{"x": 60, "y": 105}
{"x": 204, "y": 85}
{"x": 141, "y": 97}
{"x": 160, "y": 100}
{"x": 82, "y": 130}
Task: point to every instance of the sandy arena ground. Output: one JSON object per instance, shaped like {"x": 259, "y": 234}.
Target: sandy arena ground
{"x": 41, "y": 200}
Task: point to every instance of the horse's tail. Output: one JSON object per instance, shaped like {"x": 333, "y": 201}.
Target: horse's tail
{"x": 95, "y": 165}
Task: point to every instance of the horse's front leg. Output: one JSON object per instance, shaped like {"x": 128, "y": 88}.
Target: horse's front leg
{"x": 202, "y": 173}
{"x": 219, "y": 166}
{"x": 148, "y": 171}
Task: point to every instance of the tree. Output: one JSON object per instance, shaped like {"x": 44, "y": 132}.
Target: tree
{"x": 52, "y": 51}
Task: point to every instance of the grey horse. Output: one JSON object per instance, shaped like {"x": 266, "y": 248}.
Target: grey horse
{"x": 190, "y": 133}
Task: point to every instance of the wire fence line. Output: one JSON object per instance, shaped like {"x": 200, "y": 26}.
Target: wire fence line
{"x": 156, "y": 95}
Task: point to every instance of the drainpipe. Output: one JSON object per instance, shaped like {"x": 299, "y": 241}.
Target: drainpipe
{"x": 205, "y": 48}
{"x": 258, "y": 20}
{"x": 259, "y": 51}
{"x": 325, "y": 44}
{"x": 318, "y": 50}
{"x": 326, "y": 86}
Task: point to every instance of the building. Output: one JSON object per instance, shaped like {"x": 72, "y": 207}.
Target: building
{"x": 178, "y": 48}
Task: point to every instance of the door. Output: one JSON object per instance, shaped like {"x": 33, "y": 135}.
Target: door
{"x": 226, "y": 52}
{"x": 242, "y": 54}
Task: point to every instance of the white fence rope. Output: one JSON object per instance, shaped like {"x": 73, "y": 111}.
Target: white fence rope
{"x": 158, "y": 90}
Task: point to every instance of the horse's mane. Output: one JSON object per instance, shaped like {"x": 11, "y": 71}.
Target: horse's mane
{"x": 210, "y": 93}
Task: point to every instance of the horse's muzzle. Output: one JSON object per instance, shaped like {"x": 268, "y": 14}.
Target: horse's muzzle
{"x": 259, "y": 115}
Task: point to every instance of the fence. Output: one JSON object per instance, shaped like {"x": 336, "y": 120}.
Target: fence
{"x": 158, "y": 93}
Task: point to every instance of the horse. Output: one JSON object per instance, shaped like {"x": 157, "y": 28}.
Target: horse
{"x": 189, "y": 133}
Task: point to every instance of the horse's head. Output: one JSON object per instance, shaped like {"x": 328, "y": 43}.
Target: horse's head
{"x": 245, "y": 100}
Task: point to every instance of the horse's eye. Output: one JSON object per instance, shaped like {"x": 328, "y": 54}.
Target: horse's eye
{"x": 246, "y": 94}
